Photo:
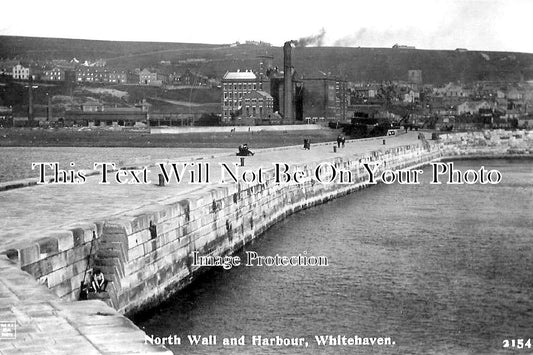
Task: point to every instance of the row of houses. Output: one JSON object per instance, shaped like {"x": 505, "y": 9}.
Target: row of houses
{"x": 82, "y": 74}
{"x": 478, "y": 91}
{"x": 103, "y": 75}
{"x": 156, "y": 77}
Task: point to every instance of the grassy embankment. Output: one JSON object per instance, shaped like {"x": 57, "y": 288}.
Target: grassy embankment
{"x": 130, "y": 138}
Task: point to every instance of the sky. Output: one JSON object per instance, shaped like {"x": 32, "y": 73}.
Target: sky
{"x": 495, "y": 25}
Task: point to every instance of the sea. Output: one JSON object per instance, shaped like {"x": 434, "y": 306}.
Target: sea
{"x": 412, "y": 269}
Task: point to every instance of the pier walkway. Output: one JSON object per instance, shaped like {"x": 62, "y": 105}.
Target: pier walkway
{"x": 30, "y": 213}
{"x": 47, "y": 324}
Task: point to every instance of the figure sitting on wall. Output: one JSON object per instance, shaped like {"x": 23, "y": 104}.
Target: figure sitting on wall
{"x": 244, "y": 151}
{"x": 98, "y": 285}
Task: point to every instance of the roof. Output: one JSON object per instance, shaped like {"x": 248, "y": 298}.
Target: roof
{"x": 264, "y": 93}
{"x": 239, "y": 75}
{"x": 258, "y": 93}
{"x": 122, "y": 109}
{"x": 108, "y": 116}
{"x": 474, "y": 104}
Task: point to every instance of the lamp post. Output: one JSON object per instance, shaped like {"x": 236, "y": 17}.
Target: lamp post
{"x": 30, "y": 86}
{"x": 48, "y": 108}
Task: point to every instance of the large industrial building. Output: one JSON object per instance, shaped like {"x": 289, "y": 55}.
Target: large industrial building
{"x": 307, "y": 97}
{"x": 243, "y": 95}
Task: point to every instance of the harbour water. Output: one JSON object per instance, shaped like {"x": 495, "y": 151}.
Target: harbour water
{"x": 435, "y": 268}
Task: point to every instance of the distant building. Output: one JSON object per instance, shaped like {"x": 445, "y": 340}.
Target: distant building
{"x": 324, "y": 97}
{"x": 95, "y": 114}
{"x": 117, "y": 77}
{"x": 55, "y": 74}
{"x": 147, "y": 77}
{"x": 235, "y": 86}
{"x": 92, "y": 107}
{"x": 6, "y": 67}
{"x": 452, "y": 90}
{"x": 190, "y": 78}
{"x": 402, "y": 46}
{"x": 514, "y": 94}
{"x": 473, "y": 107}
{"x": 257, "y": 104}
{"x": 98, "y": 63}
{"x": 100, "y": 75}
{"x": 20, "y": 72}
{"x": 411, "y": 97}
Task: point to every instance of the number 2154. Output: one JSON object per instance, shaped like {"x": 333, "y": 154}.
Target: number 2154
{"x": 517, "y": 343}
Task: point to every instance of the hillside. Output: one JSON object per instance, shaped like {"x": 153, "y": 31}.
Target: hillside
{"x": 63, "y": 48}
{"x": 354, "y": 64}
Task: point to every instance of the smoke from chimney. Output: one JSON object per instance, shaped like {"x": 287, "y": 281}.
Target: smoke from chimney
{"x": 314, "y": 40}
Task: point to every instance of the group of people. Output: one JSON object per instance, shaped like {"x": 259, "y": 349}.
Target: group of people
{"x": 245, "y": 151}
{"x": 341, "y": 140}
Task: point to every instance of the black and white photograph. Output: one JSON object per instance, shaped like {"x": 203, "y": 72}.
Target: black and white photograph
{"x": 284, "y": 177}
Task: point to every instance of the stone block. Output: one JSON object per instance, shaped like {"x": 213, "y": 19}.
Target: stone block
{"x": 65, "y": 240}
{"x": 135, "y": 252}
{"x": 142, "y": 221}
{"x": 62, "y": 288}
{"x": 25, "y": 255}
{"x": 39, "y": 268}
{"x": 48, "y": 245}
{"x": 84, "y": 234}
{"x": 138, "y": 238}
{"x": 80, "y": 253}
{"x": 150, "y": 246}
{"x": 117, "y": 226}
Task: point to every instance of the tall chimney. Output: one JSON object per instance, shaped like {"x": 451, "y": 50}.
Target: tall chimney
{"x": 287, "y": 81}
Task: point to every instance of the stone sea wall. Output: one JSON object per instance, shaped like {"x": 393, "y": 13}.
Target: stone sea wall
{"x": 147, "y": 253}
{"x": 60, "y": 259}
